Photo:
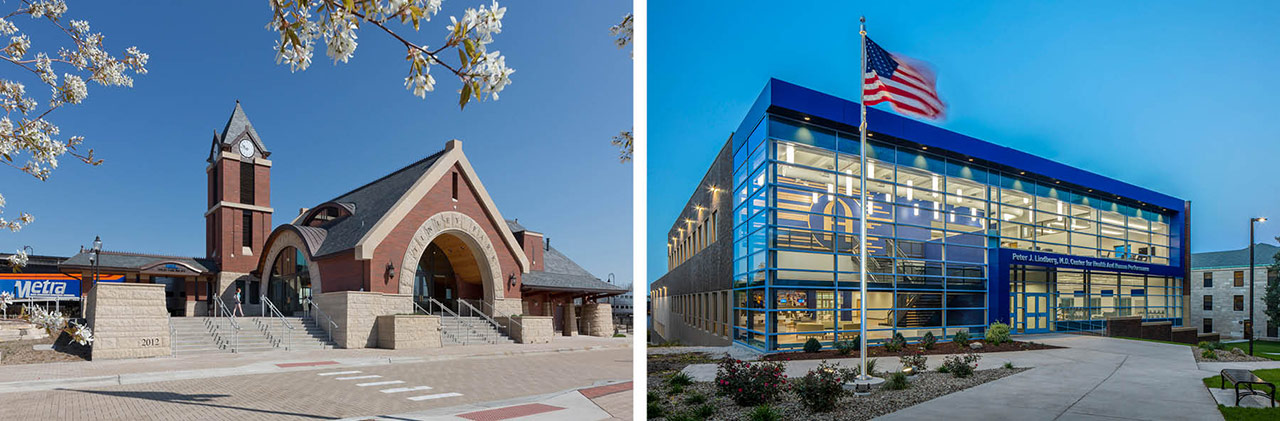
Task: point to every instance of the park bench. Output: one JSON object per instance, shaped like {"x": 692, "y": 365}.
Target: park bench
{"x": 1239, "y": 377}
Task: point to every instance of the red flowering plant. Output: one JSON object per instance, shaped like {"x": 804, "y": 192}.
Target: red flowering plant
{"x": 821, "y": 388}
{"x": 750, "y": 384}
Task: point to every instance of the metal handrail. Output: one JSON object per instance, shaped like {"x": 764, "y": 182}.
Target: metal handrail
{"x": 443, "y": 332}
{"x": 327, "y": 330}
{"x": 499, "y": 313}
{"x": 473, "y": 309}
{"x": 231, "y": 319}
{"x": 275, "y": 312}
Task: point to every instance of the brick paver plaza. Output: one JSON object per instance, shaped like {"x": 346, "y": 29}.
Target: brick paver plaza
{"x": 330, "y": 391}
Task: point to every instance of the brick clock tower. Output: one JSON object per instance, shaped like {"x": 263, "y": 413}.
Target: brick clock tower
{"x": 239, "y": 216}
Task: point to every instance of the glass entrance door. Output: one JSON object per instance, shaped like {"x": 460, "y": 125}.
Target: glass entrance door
{"x": 1036, "y": 317}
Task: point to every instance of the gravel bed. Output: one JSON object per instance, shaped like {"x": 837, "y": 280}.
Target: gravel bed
{"x": 924, "y": 387}
{"x": 1226, "y": 356}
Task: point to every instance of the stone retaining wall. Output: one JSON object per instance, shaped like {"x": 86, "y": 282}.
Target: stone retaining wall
{"x": 1186, "y": 335}
{"x": 408, "y": 331}
{"x": 356, "y": 314}
{"x": 599, "y": 319}
{"x": 532, "y": 329}
{"x": 1208, "y": 337}
{"x": 1160, "y": 331}
{"x": 128, "y": 320}
{"x": 1129, "y": 326}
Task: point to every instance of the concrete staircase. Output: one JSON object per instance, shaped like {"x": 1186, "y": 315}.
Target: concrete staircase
{"x": 202, "y": 335}
{"x": 469, "y": 331}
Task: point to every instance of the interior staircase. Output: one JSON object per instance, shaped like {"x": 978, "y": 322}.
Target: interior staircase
{"x": 205, "y": 335}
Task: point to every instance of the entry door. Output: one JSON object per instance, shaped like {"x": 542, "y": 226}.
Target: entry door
{"x": 1037, "y": 315}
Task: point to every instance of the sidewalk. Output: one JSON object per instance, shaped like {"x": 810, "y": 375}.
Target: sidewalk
{"x": 32, "y": 377}
{"x": 606, "y": 401}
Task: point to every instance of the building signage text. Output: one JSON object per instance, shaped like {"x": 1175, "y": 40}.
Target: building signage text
{"x": 1077, "y": 261}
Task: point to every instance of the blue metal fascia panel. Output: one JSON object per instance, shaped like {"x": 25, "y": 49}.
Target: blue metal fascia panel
{"x": 753, "y": 117}
{"x": 790, "y": 96}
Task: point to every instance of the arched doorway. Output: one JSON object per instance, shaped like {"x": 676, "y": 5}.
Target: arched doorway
{"x": 448, "y": 272}
{"x": 472, "y": 258}
{"x": 289, "y": 283}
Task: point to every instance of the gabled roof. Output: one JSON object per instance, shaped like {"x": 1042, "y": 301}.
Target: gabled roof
{"x": 369, "y": 203}
{"x": 1263, "y": 255}
{"x": 560, "y": 273}
{"x": 137, "y": 261}
{"x": 237, "y": 125}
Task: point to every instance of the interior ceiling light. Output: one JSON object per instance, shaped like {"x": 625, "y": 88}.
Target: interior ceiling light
{"x": 806, "y": 118}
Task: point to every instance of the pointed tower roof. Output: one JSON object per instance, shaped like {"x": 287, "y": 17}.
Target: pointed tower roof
{"x": 238, "y": 127}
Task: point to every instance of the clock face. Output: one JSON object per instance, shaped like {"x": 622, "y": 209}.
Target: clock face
{"x": 246, "y": 148}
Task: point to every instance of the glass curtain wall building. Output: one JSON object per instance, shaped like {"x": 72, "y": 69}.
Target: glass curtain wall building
{"x": 961, "y": 232}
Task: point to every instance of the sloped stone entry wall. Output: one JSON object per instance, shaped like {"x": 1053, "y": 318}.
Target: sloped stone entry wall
{"x": 128, "y": 321}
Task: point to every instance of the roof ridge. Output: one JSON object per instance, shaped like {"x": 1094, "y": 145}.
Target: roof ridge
{"x": 402, "y": 169}
{"x": 137, "y": 254}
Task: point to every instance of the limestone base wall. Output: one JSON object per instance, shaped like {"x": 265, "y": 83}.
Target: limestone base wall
{"x": 408, "y": 331}
{"x": 128, "y": 321}
{"x": 598, "y": 319}
{"x": 531, "y": 329}
{"x": 356, "y": 314}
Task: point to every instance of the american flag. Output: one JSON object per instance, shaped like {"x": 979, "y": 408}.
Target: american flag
{"x": 906, "y": 84}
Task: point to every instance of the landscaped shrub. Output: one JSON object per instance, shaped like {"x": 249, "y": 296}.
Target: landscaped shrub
{"x": 1008, "y": 365}
{"x": 846, "y": 347}
{"x": 998, "y": 333}
{"x": 820, "y": 388}
{"x": 897, "y": 381}
{"x": 764, "y": 413}
{"x": 704, "y": 411}
{"x": 812, "y": 345}
{"x": 750, "y": 384}
{"x": 695, "y": 399}
{"x": 679, "y": 379}
{"x": 850, "y": 373}
{"x": 1205, "y": 345}
{"x": 917, "y": 362}
{"x": 960, "y": 366}
{"x": 961, "y": 338}
{"x": 928, "y": 340}
{"x": 655, "y": 410}
{"x": 896, "y": 343}
{"x": 1208, "y": 353}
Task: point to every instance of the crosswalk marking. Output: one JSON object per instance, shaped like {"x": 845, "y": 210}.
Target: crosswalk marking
{"x": 405, "y": 389}
{"x": 380, "y": 383}
{"x": 371, "y": 376}
{"x": 338, "y": 372}
{"x": 435, "y": 396}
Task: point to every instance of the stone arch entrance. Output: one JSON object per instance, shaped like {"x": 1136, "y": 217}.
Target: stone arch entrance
{"x": 289, "y": 248}
{"x": 468, "y": 250}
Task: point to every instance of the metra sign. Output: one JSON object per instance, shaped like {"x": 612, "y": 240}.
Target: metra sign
{"x": 25, "y": 288}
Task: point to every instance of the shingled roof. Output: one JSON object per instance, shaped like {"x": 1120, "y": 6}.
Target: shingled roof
{"x": 368, "y": 204}
{"x": 236, "y": 125}
{"x": 560, "y": 273}
{"x": 135, "y": 261}
{"x": 1263, "y": 254}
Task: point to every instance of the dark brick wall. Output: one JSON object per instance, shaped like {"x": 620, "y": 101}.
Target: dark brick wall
{"x": 710, "y": 269}
{"x": 1186, "y": 335}
{"x": 342, "y": 272}
{"x": 1161, "y": 331}
{"x": 1208, "y": 337}
{"x": 1125, "y": 326}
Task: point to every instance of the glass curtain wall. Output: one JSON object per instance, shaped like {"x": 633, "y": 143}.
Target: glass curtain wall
{"x": 931, "y": 223}
{"x": 1079, "y": 299}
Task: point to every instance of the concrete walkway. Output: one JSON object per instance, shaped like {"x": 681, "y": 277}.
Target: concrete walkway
{"x": 611, "y": 401}
{"x": 1091, "y": 378}
{"x": 49, "y": 376}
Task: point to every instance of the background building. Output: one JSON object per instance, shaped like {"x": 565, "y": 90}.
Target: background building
{"x": 1219, "y": 298}
{"x": 962, "y": 233}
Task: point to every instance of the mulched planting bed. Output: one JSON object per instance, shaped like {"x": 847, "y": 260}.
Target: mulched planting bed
{"x": 22, "y": 352}
{"x": 1225, "y": 356}
{"x": 924, "y": 387}
{"x": 662, "y": 365}
{"x": 938, "y": 349}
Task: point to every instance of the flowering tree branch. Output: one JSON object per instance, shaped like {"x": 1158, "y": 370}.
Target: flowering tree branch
{"x": 29, "y": 142}
{"x": 483, "y": 74}
{"x": 622, "y": 33}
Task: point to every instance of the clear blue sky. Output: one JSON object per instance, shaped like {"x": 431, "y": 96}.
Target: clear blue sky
{"x": 542, "y": 151}
{"x": 1178, "y": 97}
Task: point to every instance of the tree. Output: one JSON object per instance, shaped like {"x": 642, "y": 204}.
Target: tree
{"x": 622, "y": 33}
{"x": 29, "y": 142}
{"x": 301, "y": 23}
{"x": 1272, "y": 297}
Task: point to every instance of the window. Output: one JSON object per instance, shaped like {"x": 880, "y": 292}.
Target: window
{"x": 1208, "y": 303}
{"x": 1208, "y": 279}
{"x": 1238, "y": 302}
{"x": 1239, "y": 278}
{"x": 455, "y": 186}
{"x": 1208, "y": 325}
{"x": 246, "y": 183}
{"x": 246, "y": 229}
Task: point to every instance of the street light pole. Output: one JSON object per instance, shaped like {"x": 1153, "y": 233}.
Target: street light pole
{"x": 1252, "y": 223}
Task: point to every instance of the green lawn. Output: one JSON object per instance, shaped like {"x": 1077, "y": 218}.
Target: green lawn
{"x": 1230, "y": 413}
{"x": 1260, "y": 348}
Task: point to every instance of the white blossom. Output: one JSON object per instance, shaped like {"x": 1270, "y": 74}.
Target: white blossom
{"x": 80, "y": 334}
{"x": 5, "y": 299}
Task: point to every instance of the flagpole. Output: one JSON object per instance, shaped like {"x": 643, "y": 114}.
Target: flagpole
{"x": 862, "y": 199}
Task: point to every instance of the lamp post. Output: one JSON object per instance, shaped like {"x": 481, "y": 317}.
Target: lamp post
{"x": 1252, "y": 223}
